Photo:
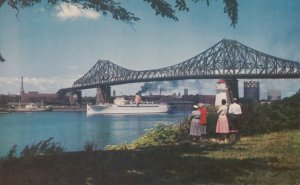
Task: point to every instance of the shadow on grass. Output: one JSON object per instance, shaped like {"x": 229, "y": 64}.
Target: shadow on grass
{"x": 180, "y": 164}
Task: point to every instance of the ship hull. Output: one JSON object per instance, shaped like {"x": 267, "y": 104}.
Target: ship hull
{"x": 127, "y": 109}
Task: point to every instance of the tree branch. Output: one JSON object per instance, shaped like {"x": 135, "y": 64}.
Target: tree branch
{"x": 1, "y": 58}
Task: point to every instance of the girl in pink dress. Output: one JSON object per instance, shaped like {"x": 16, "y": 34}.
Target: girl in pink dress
{"x": 222, "y": 123}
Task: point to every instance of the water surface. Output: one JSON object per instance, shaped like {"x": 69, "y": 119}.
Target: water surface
{"x": 73, "y": 129}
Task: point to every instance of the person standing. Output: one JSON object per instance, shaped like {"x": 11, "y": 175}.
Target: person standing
{"x": 235, "y": 112}
{"x": 222, "y": 127}
{"x": 195, "y": 126}
{"x": 203, "y": 120}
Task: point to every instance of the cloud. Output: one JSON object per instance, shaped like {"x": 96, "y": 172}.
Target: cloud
{"x": 9, "y": 85}
{"x": 70, "y": 11}
{"x": 12, "y": 85}
{"x": 287, "y": 87}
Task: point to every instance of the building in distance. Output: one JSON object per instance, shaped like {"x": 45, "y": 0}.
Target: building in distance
{"x": 251, "y": 90}
{"x": 273, "y": 95}
{"x": 36, "y": 97}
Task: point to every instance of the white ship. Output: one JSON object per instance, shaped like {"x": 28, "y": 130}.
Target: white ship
{"x": 32, "y": 107}
{"x": 122, "y": 106}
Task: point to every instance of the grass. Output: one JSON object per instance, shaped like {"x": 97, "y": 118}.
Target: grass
{"x": 263, "y": 159}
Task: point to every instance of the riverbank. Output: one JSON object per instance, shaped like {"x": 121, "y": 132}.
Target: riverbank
{"x": 48, "y": 109}
{"x": 264, "y": 159}
{"x": 69, "y": 108}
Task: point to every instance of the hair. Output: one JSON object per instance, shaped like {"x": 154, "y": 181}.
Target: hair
{"x": 223, "y": 101}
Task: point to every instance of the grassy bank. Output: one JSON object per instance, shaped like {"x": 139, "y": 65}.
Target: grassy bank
{"x": 264, "y": 159}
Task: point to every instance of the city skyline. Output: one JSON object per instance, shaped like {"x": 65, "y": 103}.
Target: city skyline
{"x": 54, "y": 47}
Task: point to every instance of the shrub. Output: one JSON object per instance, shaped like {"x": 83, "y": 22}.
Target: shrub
{"x": 44, "y": 147}
{"x": 12, "y": 153}
{"x": 90, "y": 146}
{"x": 162, "y": 134}
{"x": 212, "y": 118}
{"x": 266, "y": 118}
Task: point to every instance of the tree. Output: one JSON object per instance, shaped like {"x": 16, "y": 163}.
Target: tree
{"x": 118, "y": 12}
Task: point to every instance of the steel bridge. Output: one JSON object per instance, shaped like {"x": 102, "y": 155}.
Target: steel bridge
{"x": 228, "y": 59}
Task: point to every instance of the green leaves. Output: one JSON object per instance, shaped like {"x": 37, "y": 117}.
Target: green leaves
{"x": 266, "y": 118}
{"x": 162, "y": 7}
{"x": 45, "y": 147}
{"x": 1, "y": 58}
{"x": 231, "y": 8}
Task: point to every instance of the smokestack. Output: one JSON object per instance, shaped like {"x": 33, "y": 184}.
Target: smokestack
{"x": 22, "y": 87}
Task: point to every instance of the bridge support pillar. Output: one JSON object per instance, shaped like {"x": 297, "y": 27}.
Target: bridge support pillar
{"x": 79, "y": 97}
{"x": 103, "y": 94}
{"x": 233, "y": 88}
{"x": 72, "y": 100}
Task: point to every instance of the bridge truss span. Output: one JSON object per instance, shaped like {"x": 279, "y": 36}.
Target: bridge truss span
{"x": 226, "y": 59}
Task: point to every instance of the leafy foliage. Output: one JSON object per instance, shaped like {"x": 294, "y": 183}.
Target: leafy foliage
{"x": 231, "y": 8}
{"x": 2, "y": 58}
{"x": 212, "y": 118}
{"x": 12, "y": 153}
{"x": 162, "y": 7}
{"x": 162, "y": 134}
{"x": 90, "y": 146}
{"x": 44, "y": 147}
{"x": 266, "y": 118}
{"x": 165, "y": 134}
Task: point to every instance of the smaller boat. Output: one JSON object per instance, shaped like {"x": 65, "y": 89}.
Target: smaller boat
{"x": 32, "y": 107}
{"x": 122, "y": 106}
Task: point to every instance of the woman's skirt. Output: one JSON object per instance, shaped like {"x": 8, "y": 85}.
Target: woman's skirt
{"x": 195, "y": 128}
{"x": 202, "y": 129}
{"x": 222, "y": 125}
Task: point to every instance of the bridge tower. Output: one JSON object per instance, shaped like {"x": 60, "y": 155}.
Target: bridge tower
{"x": 71, "y": 98}
{"x": 79, "y": 97}
{"x": 233, "y": 88}
{"x": 103, "y": 94}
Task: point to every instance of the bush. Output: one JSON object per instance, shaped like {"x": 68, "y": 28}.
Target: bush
{"x": 12, "y": 153}
{"x": 212, "y": 118}
{"x": 45, "y": 147}
{"x": 162, "y": 134}
{"x": 90, "y": 146}
{"x": 266, "y": 118}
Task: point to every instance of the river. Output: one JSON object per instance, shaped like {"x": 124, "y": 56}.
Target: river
{"x": 73, "y": 129}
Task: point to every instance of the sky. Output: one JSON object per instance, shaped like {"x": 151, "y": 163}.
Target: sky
{"x": 51, "y": 47}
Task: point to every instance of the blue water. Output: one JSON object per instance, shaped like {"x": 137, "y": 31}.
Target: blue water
{"x": 73, "y": 129}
